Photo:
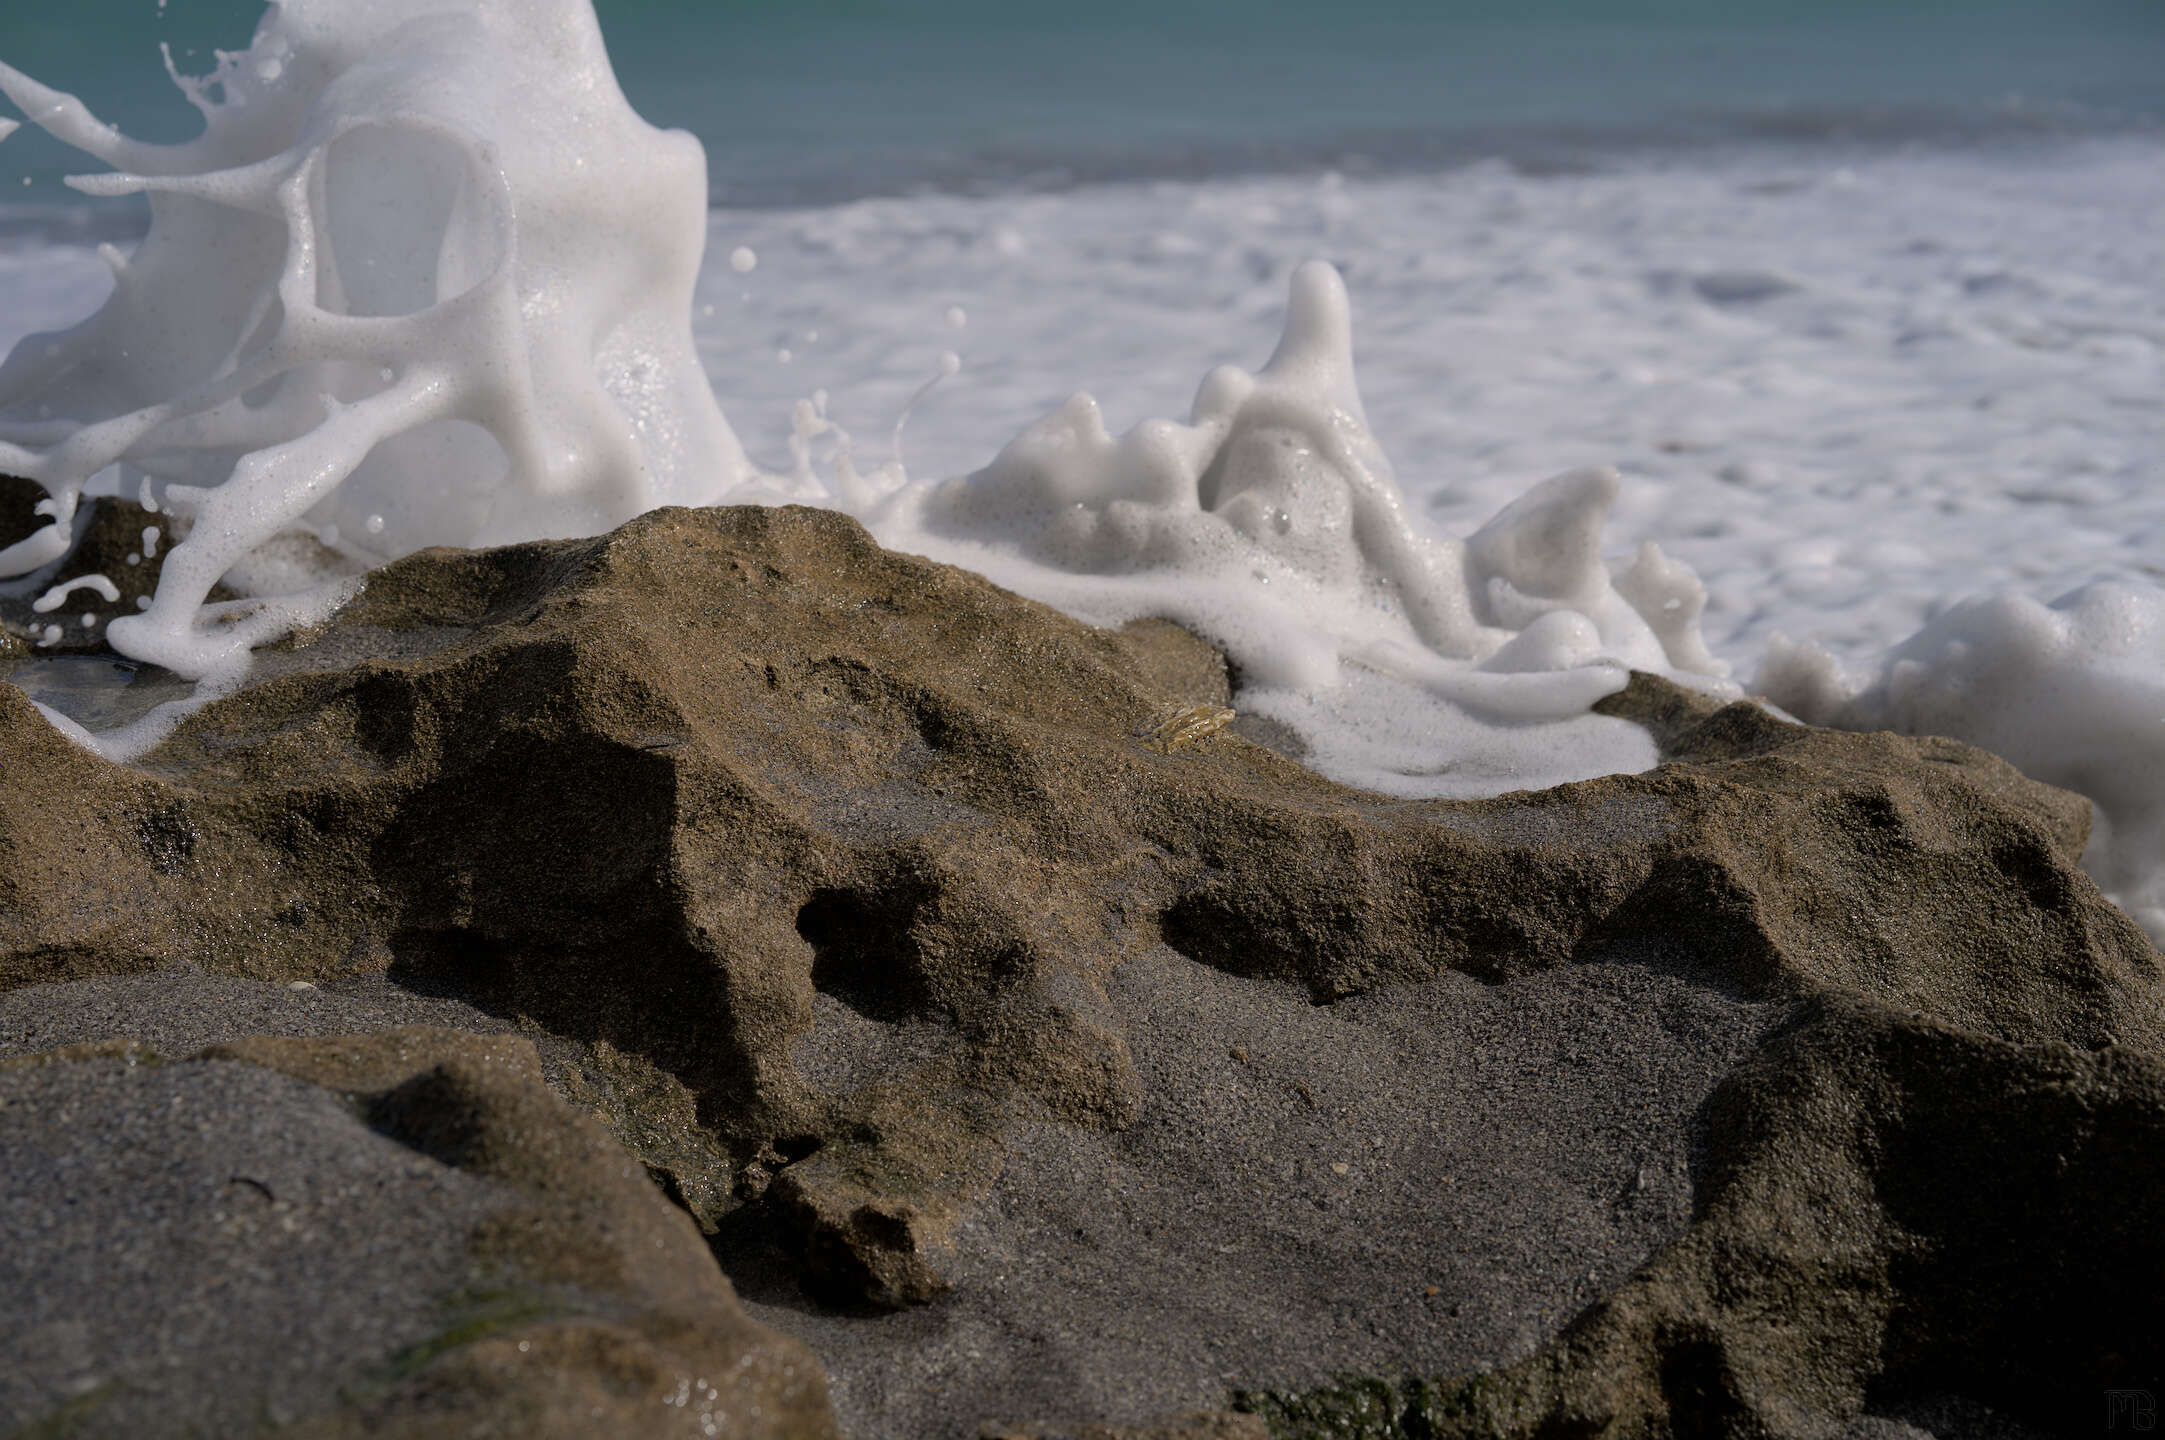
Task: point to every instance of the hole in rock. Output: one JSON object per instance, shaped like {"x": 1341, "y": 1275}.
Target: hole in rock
{"x": 1213, "y": 929}
{"x": 855, "y": 957}
{"x": 793, "y": 1148}
{"x": 660, "y": 1012}
{"x": 1700, "y": 1388}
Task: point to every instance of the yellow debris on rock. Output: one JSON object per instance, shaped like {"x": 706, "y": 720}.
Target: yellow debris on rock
{"x": 1178, "y": 726}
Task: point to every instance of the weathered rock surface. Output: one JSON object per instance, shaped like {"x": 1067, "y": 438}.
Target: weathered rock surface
{"x": 1536, "y": 1133}
{"x": 1890, "y": 1211}
{"x": 1428, "y": 1177}
{"x": 863, "y": 886}
{"x": 403, "y": 1233}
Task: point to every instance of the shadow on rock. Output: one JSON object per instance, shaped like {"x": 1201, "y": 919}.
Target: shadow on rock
{"x": 400, "y": 1233}
{"x": 678, "y": 791}
{"x": 1890, "y": 1210}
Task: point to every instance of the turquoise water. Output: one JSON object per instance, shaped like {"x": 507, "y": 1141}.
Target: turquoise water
{"x": 806, "y": 102}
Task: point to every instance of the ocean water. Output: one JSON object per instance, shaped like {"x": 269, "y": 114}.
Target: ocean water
{"x": 1865, "y": 302}
{"x": 818, "y": 101}
{"x": 1845, "y": 386}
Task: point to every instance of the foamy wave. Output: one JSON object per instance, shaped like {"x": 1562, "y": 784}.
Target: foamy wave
{"x": 1837, "y": 394}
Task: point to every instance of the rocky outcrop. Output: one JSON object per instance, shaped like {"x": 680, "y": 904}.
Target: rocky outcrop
{"x": 401, "y": 1233}
{"x": 694, "y": 794}
{"x": 1195, "y": 1425}
{"x": 1890, "y": 1211}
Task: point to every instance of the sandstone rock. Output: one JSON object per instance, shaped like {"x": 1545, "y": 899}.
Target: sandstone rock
{"x": 765, "y": 757}
{"x": 181, "y": 1010}
{"x": 678, "y": 792}
{"x": 1432, "y": 1176}
{"x": 1537, "y": 1135}
{"x": 1890, "y": 1210}
{"x": 1195, "y": 1425}
{"x": 401, "y": 1233}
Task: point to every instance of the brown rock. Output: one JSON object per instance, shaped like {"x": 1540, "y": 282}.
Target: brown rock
{"x": 669, "y": 790}
{"x": 654, "y": 789}
{"x": 1891, "y": 1210}
{"x": 569, "y": 1298}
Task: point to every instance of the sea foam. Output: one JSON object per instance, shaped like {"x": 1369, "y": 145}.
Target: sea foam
{"x": 374, "y": 178}
{"x": 425, "y": 278}
{"x": 2073, "y": 693}
{"x": 1271, "y": 522}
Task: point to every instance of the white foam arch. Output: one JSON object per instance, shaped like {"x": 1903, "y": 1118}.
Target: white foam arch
{"x": 424, "y": 279}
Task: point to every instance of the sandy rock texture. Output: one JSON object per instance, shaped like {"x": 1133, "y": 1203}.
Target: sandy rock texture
{"x": 1892, "y": 1215}
{"x": 1044, "y": 1067}
{"x": 399, "y": 1233}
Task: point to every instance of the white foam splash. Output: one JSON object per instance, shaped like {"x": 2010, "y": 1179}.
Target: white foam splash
{"x": 56, "y": 597}
{"x": 424, "y": 279}
{"x": 1271, "y": 523}
{"x": 2072, "y": 693}
{"x": 428, "y": 238}
{"x": 422, "y": 239}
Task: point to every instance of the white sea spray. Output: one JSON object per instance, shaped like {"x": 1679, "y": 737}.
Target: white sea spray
{"x": 430, "y": 239}
{"x": 425, "y": 278}
{"x": 1271, "y": 522}
{"x": 382, "y": 194}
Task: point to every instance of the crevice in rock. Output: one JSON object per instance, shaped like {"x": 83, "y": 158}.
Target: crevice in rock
{"x": 856, "y": 957}
{"x": 588, "y": 812}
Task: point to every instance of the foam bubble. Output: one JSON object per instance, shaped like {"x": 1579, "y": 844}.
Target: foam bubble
{"x": 56, "y": 597}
